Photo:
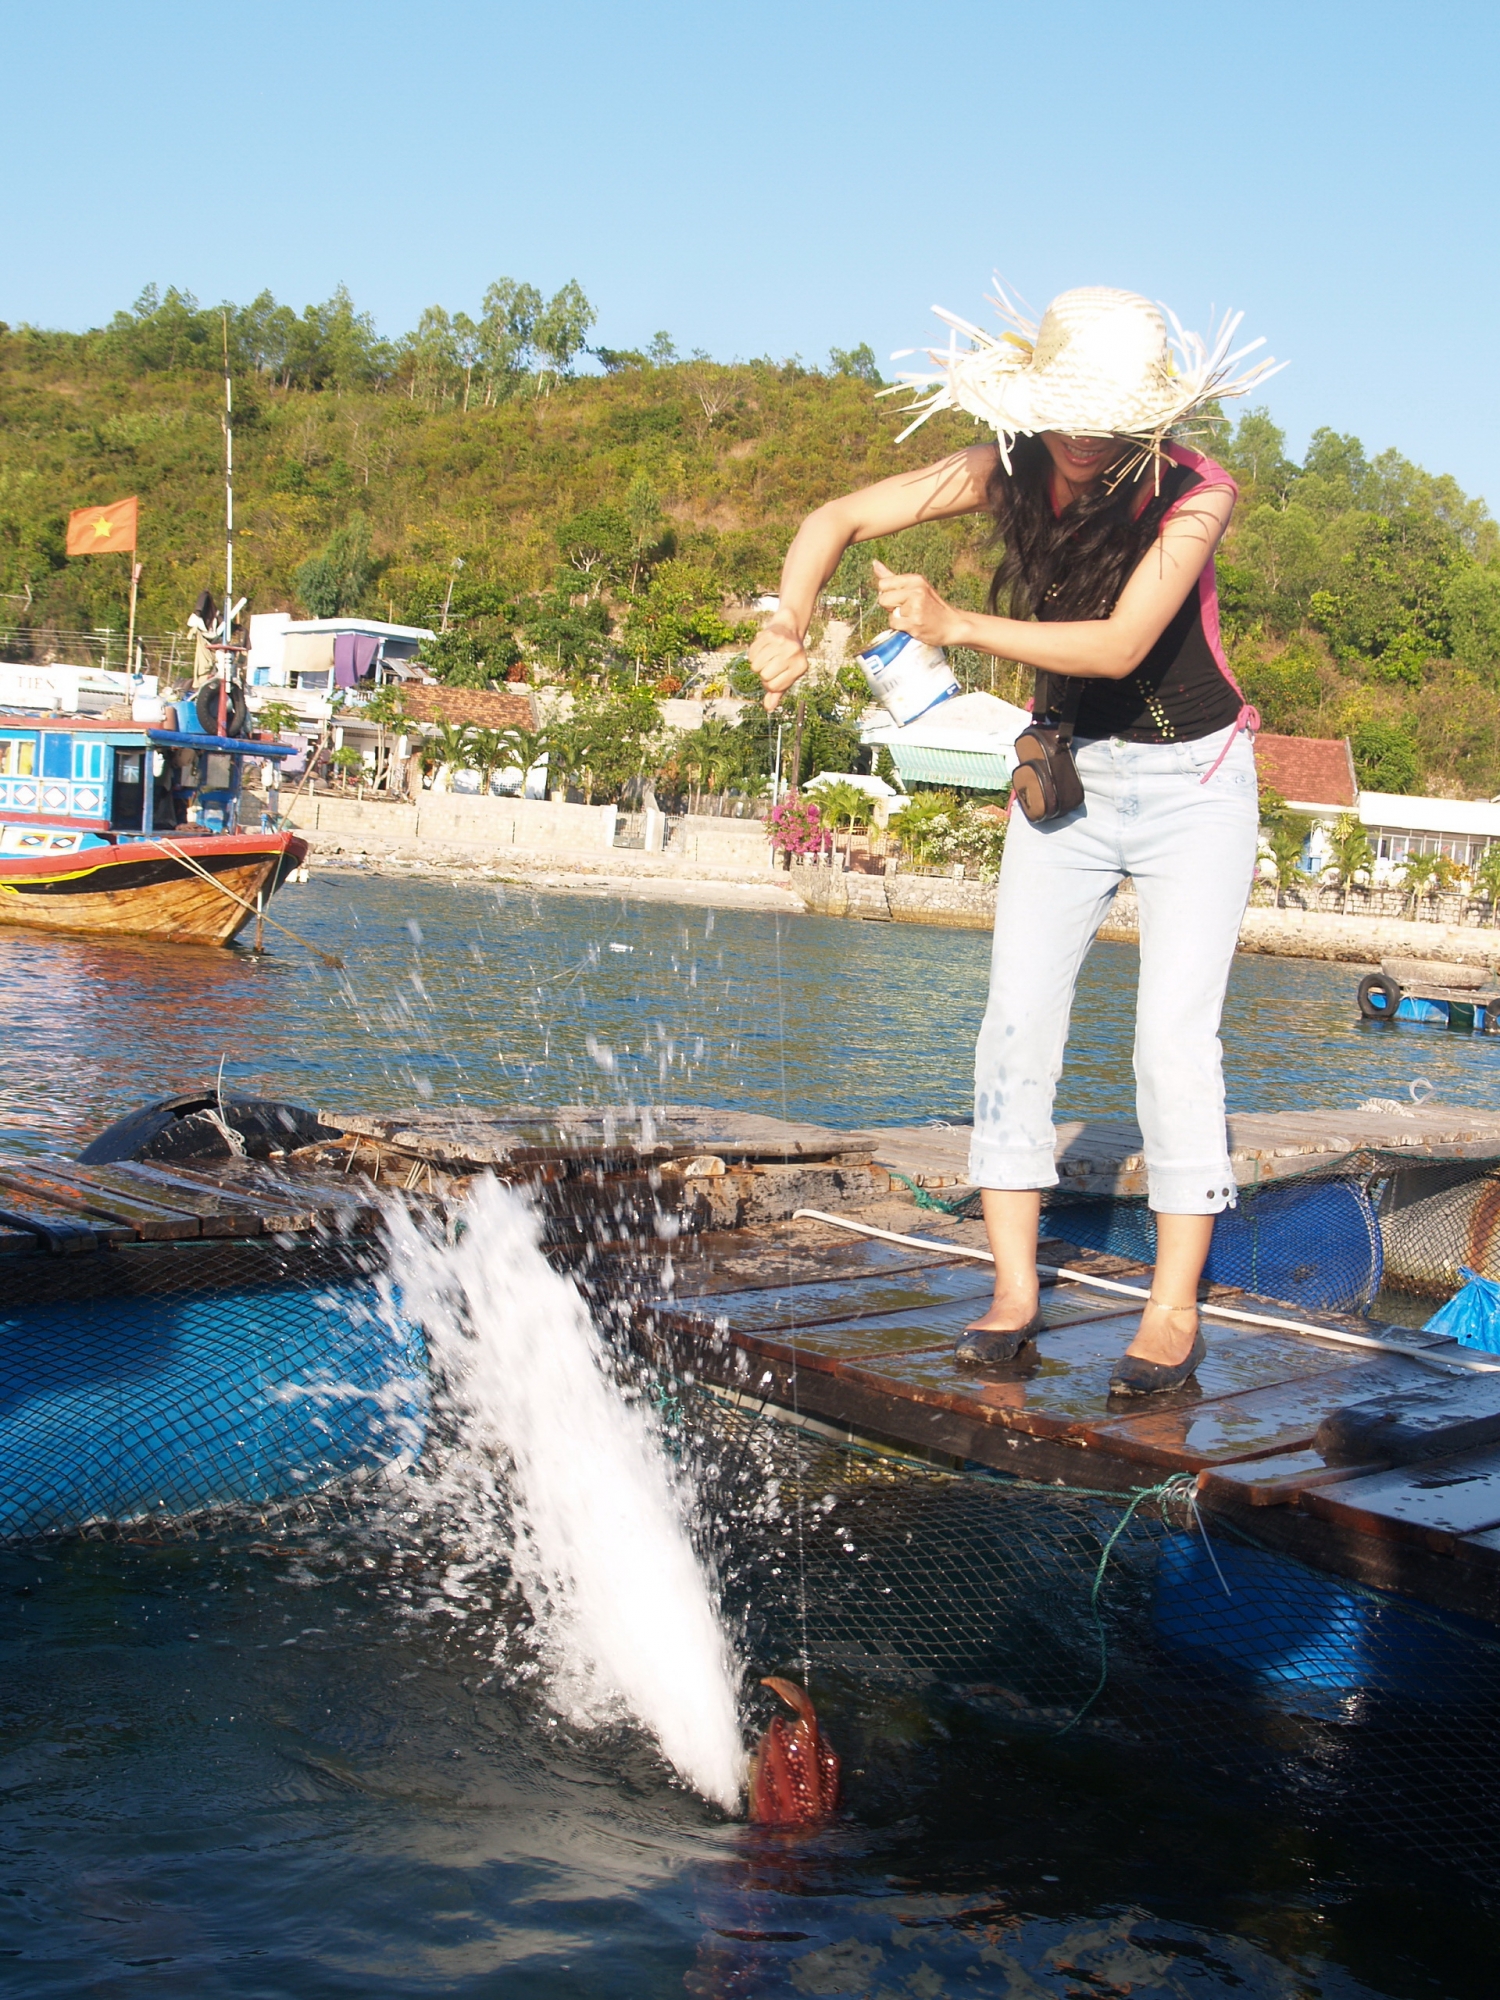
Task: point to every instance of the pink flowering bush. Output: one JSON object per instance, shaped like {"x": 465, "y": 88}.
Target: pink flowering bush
{"x": 796, "y": 827}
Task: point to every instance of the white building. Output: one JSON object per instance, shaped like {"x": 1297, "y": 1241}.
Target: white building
{"x": 1463, "y": 829}
{"x": 304, "y": 656}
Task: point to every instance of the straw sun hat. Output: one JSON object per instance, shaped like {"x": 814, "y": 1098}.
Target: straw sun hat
{"x": 1100, "y": 364}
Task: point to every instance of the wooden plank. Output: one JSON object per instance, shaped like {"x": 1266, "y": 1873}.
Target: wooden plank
{"x": 128, "y": 1183}
{"x": 804, "y": 1253}
{"x": 1281, "y": 1417}
{"x": 1064, "y": 1393}
{"x": 1105, "y": 1156}
{"x": 292, "y": 1212}
{"x": 220, "y": 1213}
{"x": 1273, "y": 1482}
{"x": 352, "y": 1205}
{"x": 1432, "y": 1504}
{"x": 751, "y": 1135}
{"x": 762, "y": 1308}
{"x": 933, "y": 1325}
{"x": 1433, "y": 1422}
{"x": 18, "y": 1243}
{"x": 524, "y": 1136}
{"x": 64, "y": 1232}
{"x": 150, "y": 1222}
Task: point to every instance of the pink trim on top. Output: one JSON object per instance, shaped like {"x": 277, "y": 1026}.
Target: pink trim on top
{"x": 1210, "y": 475}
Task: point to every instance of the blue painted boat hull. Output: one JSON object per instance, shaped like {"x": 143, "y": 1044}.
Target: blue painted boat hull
{"x": 1463, "y": 1017}
{"x": 121, "y": 1410}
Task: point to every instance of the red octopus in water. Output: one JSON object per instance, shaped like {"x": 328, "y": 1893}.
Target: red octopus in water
{"x": 794, "y": 1775}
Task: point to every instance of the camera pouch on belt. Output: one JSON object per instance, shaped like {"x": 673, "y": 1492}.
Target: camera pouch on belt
{"x": 1045, "y": 783}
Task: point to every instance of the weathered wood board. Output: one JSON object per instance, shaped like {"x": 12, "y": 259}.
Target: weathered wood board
{"x": 514, "y": 1139}
{"x": 1433, "y": 1504}
{"x": 1103, "y": 1156}
{"x": 53, "y": 1205}
{"x": 1434, "y": 1420}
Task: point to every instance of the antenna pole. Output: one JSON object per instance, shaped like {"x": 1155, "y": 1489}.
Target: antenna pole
{"x": 225, "y": 660}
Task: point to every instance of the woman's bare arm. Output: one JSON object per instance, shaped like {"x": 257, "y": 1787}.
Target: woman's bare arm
{"x": 1094, "y": 648}
{"x": 954, "y": 485}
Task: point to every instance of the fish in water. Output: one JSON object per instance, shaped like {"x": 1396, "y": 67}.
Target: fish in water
{"x": 794, "y": 1776}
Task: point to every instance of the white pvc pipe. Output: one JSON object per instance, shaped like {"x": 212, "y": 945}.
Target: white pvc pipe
{"x": 1448, "y": 1364}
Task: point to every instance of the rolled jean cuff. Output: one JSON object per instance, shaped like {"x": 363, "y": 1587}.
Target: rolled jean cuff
{"x": 1191, "y": 1190}
{"x": 1014, "y": 1168}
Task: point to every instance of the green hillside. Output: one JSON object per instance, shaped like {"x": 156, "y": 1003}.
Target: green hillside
{"x": 582, "y": 524}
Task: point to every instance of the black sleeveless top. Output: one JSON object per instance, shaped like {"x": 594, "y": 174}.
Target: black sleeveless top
{"x": 1181, "y": 690}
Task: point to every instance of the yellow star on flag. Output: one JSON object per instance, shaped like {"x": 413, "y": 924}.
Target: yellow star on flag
{"x": 102, "y": 530}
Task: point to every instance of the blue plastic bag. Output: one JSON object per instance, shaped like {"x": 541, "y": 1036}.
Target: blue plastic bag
{"x": 1471, "y": 1316}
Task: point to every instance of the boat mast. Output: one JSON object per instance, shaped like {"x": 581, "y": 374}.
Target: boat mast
{"x": 225, "y": 658}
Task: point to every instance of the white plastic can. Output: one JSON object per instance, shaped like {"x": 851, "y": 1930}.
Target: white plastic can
{"x": 907, "y": 677}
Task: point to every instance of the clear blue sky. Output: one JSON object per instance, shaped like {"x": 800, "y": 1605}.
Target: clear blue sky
{"x": 774, "y": 178}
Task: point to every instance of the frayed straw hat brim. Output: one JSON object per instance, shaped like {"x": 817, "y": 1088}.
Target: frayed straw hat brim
{"x": 1100, "y": 363}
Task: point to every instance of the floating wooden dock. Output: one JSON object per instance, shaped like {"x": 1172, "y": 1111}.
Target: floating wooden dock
{"x": 1371, "y": 1463}
{"x": 1103, "y": 1156}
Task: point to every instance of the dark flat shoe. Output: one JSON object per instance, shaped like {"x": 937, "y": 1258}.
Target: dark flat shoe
{"x": 1134, "y": 1377}
{"x": 982, "y": 1346}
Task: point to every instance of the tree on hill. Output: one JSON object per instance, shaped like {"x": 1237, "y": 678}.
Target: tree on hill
{"x": 337, "y": 579}
{"x": 1360, "y": 593}
{"x": 677, "y": 615}
{"x": 857, "y": 361}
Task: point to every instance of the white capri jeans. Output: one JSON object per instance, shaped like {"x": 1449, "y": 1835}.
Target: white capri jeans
{"x": 1189, "y": 847}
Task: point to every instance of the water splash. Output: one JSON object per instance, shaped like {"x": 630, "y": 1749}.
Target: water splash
{"x": 552, "y": 1471}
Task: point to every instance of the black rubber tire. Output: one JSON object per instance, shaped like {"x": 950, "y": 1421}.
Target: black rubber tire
{"x": 1378, "y": 997}
{"x": 236, "y": 709}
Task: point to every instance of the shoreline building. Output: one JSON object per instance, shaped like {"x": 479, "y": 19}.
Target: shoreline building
{"x": 1315, "y": 774}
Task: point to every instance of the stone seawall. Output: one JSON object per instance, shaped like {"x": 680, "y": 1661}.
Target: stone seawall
{"x": 705, "y": 860}
{"x": 1351, "y": 940}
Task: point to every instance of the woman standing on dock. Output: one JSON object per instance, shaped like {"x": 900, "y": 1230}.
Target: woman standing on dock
{"x": 1109, "y": 531}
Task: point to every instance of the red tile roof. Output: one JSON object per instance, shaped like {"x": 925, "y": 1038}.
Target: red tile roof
{"x": 482, "y": 708}
{"x": 1313, "y": 770}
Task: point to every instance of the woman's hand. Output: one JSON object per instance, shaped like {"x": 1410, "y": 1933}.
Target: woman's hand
{"x": 777, "y": 655}
{"x": 912, "y": 605}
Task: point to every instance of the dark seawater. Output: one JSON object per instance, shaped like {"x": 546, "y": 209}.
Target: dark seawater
{"x": 288, "y": 1769}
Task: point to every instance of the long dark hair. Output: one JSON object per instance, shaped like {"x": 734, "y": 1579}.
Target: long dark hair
{"x": 1076, "y": 562}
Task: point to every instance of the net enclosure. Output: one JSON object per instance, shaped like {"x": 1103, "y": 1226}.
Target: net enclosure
{"x": 1128, "y": 1630}
{"x": 231, "y": 1377}
{"x": 181, "y": 1382}
{"x": 1336, "y": 1237}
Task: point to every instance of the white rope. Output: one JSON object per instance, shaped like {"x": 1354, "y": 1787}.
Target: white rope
{"x": 1449, "y": 1364}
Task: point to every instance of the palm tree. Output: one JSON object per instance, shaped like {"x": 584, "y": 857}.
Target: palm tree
{"x": 1352, "y": 853}
{"x": 1487, "y": 877}
{"x": 451, "y": 752}
{"x": 489, "y": 752}
{"x": 386, "y": 708}
{"x": 1419, "y": 874}
{"x": 526, "y": 748}
{"x": 845, "y": 802}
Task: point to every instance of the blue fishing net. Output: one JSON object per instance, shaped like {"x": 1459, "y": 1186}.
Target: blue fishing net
{"x": 169, "y": 1404}
{"x": 1151, "y": 1638}
{"x": 1311, "y": 1242}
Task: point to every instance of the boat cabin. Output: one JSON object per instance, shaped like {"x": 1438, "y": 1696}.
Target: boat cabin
{"x": 68, "y": 785}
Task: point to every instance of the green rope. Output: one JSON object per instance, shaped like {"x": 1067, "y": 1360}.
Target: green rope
{"x": 1181, "y": 1484}
{"x": 967, "y": 1205}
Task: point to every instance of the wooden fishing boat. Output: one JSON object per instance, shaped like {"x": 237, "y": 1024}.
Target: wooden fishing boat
{"x": 120, "y": 830}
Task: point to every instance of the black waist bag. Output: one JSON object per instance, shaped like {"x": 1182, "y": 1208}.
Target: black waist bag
{"x": 1045, "y": 783}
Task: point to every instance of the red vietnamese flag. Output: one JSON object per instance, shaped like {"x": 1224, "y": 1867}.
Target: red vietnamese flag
{"x": 101, "y": 531}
